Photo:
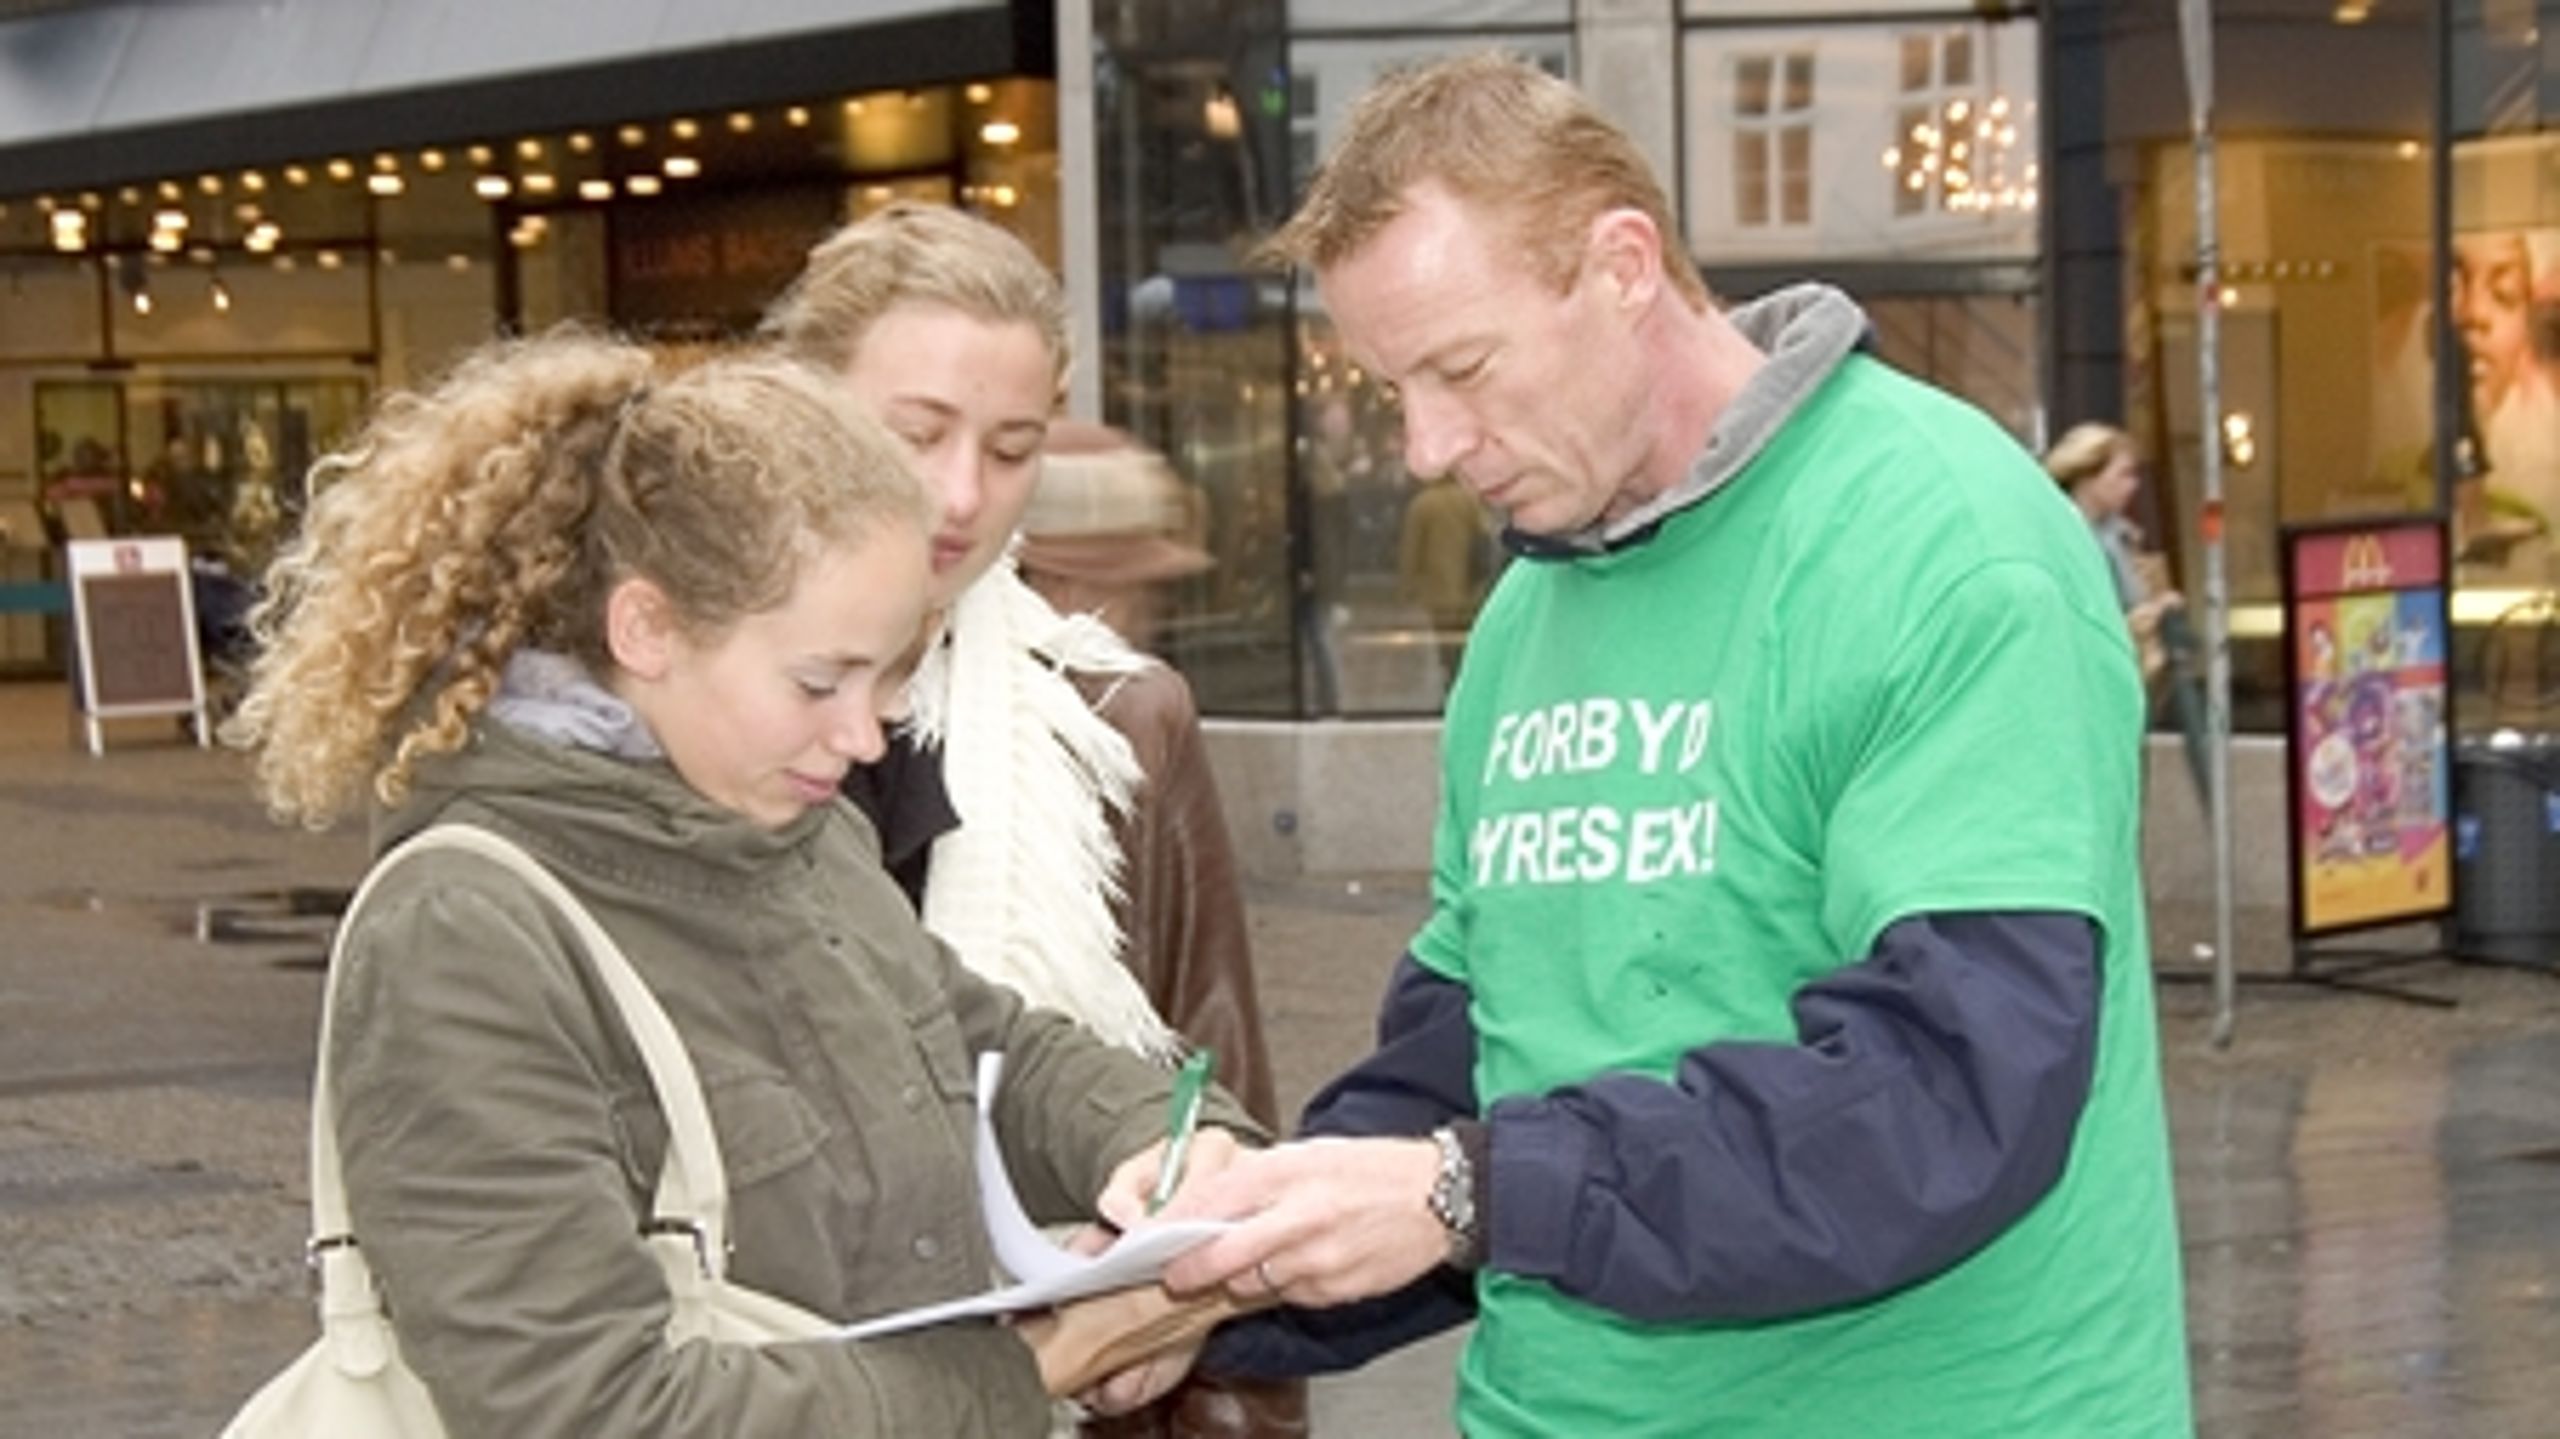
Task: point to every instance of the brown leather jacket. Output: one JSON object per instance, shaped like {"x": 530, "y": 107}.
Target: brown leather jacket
{"x": 1183, "y": 912}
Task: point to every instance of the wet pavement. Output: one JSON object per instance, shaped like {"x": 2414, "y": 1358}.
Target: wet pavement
{"x": 2370, "y": 1190}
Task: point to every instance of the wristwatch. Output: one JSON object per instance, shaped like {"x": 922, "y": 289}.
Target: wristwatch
{"x": 1453, "y": 1199}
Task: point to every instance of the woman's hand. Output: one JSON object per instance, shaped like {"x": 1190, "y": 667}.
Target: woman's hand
{"x": 1115, "y": 1352}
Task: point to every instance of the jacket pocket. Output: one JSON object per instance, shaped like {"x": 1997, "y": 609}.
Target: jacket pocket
{"x": 762, "y": 1125}
{"x": 945, "y": 1055}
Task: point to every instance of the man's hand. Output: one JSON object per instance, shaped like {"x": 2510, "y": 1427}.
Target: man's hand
{"x": 1323, "y": 1222}
{"x": 1132, "y": 1186}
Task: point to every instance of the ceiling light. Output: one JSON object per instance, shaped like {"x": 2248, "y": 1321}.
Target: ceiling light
{"x": 169, "y": 220}
{"x": 296, "y": 175}
{"x": 385, "y": 184}
{"x": 529, "y": 148}
{"x": 684, "y": 129}
{"x": 431, "y": 161}
{"x": 632, "y": 135}
{"x": 682, "y": 167}
{"x": 796, "y": 117}
{"x": 1000, "y": 132}
{"x": 740, "y": 122}
{"x": 210, "y": 184}
{"x": 581, "y": 142}
{"x": 643, "y": 185}
{"x": 328, "y": 259}
{"x": 981, "y": 93}
{"x": 595, "y": 189}
{"x": 539, "y": 182}
{"x": 253, "y": 182}
{"x": 492, "y": 187}
{"x": 479, "y": 154}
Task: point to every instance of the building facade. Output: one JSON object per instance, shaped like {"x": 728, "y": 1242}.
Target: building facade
{"x": 224, "y": 227}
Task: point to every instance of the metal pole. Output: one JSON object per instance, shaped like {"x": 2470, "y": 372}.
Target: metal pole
{"x": 1079, "y": 208}
{"x": 2195, "y": 33}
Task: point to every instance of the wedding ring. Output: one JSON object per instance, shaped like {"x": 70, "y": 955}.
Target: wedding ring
{"x": 1262, "y": 1267}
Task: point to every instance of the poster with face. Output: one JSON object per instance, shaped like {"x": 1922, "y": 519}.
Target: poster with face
{"x": 2505, "y": 303}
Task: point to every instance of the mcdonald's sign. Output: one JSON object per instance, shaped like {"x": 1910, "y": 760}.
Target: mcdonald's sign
{"x": 2368, "y": 731}
{"x": 2367, "y": 559}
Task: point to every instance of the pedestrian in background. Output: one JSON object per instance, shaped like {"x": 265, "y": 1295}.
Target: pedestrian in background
{"x": 1047, "y": 798}
{"x": 639, "y": 624}
{"x": 2097, "y": 466}
{"x": 1108, "y": 527}
{"x": 1778, "y": 1056}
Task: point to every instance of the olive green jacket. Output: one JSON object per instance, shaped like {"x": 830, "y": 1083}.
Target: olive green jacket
{"x": 501, "y": 1140}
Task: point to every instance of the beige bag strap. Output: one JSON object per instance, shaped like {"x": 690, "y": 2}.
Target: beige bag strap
{"x": 693, "y": 1188}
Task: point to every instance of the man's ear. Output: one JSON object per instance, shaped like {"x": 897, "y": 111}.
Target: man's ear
{"x": 640, "y": 628}
{"x": 1626, "y": 254}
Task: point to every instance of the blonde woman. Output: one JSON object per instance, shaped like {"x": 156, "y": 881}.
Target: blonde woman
{"x": 2098, "y": 467}
{"x": 1047, "y": 800}
{"x": 640, "y": 624}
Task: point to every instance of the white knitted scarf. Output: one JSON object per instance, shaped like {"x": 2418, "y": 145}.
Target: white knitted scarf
{"x": 1023, "y": 889}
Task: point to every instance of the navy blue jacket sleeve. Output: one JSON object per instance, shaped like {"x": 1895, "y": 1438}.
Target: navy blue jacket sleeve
{"x": 1420, "y": 1076}
{"x": 1929, "y": 1102}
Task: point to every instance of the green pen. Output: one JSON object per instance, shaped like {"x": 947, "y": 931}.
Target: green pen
{"x": 1189, "y": 1084}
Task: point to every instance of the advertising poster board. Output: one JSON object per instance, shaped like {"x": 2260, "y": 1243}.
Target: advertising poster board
{"x": 134, "y": 616}
{"x": 2368, "y": 735}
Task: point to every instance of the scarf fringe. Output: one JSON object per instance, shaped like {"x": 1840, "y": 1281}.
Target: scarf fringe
{"x": 1023, "y": 890}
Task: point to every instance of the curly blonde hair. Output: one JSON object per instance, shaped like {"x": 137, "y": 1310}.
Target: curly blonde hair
{"x": 1504, "y": 136}
{"x": 911, "y": 253}
{"x": 499, "y": 509}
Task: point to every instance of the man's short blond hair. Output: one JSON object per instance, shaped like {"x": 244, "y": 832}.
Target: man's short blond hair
{"x": 1495, "y": 131}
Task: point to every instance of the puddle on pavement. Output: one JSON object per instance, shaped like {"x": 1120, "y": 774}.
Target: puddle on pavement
{"x": 298, "y": 914}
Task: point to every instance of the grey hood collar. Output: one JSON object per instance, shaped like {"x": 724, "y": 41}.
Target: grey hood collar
{"x": 1806, "y": 331}
{"x": 551, "y": 696}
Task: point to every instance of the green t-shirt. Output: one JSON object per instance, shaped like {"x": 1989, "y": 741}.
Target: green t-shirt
{"x": 1881, "y": 674}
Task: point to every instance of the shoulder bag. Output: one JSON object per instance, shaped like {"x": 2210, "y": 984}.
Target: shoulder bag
{"x": 352, "y": 1384}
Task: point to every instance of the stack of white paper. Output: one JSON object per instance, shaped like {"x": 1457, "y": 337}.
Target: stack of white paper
{"x": 1044, "y": 1273}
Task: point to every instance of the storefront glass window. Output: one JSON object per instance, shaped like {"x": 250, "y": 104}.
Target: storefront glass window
{"x": 220, "y": 461}
{"x": 1191, "y": 127}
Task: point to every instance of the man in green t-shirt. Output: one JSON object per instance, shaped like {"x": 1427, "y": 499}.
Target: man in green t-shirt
{"x": 1782, "y": 1029}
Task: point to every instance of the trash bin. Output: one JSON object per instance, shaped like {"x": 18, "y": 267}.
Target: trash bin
{"x": 2506, "y": 847}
